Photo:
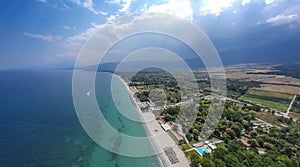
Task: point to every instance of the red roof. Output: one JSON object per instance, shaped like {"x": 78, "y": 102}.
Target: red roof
{"x": 161, "y": 119}
{"x": 245, "y": 143}
{"x": 178, "y": 137}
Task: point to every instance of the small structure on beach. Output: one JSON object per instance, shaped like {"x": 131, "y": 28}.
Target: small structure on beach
{"x": 143, "y": 106}
{"x": 171, "y": 155}
{"x": 166, "y": 127}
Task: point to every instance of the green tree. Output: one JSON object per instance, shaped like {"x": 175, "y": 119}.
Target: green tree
{"x": 253, "y": 143}
{"x": 237, "y": 130}
{"x": 231, "y": 160}
{"x": 189, "y": 136}
{"x": 253, "y": 134}
{"x": 195, "y": 159}
{"x": 206, "y": 162}
{"x": 219, "y": 163}
{"x": 231, "y": 134}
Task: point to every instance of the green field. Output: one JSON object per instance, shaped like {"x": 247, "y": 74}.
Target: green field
{"x": 278, "y": 103}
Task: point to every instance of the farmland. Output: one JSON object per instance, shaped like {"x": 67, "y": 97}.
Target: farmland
{"x": 280, "y": 89}
{"x": 274, "y": 100}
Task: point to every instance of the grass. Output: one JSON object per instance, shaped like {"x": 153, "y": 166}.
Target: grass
{"x": 185, "y": 147}
{"x": 192, "y": 152}
{"x": 274, "y": 100}
{"x": 270, "y": 118}
{"x": 280, "y": 88}
{"x": 193, "y": 142}
{"x": 271, "y": 94}
{"x": 266, "y": 103}
{"x": 294, "y": 115}
{"x": 172, "y": 136}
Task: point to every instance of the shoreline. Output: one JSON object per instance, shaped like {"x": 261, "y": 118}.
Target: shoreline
{"x": 141, "y": 118}
{"x": 160, "y": 139}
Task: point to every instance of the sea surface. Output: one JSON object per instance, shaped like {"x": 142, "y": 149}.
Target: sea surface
{"x": 39, "y": 126}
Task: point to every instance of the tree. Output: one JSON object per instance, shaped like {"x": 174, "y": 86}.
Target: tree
{"x": 195, "y": 159}
{"x": 231, "y": 160}
{"x": 252, "y": 113}
{"x": 268, "y": 146}
{"x": 253, "y": 134}
{"x": 235, "y": 145}
{"x": 231, "y": 133}
{"x": 237, "y": 130}
{"x": 219, "y": 153}
{"x": 189, "y": 136}
{"x": 219, "y": 163}
{"x": 206, "y": 162}
{"x": 196, "y": 132}
{"x": 217, "y": 133}
{"x": 253, "y": 143}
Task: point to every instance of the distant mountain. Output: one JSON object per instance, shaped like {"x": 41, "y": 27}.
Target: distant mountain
{"x": 193, "y": 63}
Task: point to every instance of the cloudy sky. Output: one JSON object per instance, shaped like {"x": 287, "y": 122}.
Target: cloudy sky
{"x": 51, "y": 32}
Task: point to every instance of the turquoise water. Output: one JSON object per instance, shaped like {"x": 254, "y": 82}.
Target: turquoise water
{"x": 39, "y": 126}
{"x": 202, "y": 150}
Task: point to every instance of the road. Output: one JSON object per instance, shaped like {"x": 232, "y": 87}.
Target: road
{"x": 290, "y": 106}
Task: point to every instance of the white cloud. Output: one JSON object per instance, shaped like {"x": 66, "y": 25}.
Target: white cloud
{"x": 44, "y": 1}
{"x": 180, "y": 8}
{"x": 125, "y": 4}
{"x": 245, "y": 2}
{"x": 61, "y": 5}
{"x": 48, "y": 38}
{"x": 73, "y": 44}
{"x": 88, "y": 4}
{"x": 69, "y": 28}
{"x": 268, "y": 2}
{"x": 215, "y": 7}
{"x": 282, "y": 19}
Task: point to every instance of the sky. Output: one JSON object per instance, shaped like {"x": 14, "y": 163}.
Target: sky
{"x": 37, "y": 33}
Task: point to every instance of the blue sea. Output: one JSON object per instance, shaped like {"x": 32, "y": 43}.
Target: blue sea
{"x": 39, "y": 126}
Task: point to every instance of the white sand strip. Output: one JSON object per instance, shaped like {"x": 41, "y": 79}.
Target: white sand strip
{"x": 158, "y": 137}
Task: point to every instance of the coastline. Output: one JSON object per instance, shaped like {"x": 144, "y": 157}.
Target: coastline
{"x": 142, "y": 119}
{"x": 159, "y": 139}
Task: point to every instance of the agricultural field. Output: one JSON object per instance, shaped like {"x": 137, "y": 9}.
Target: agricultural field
{"x": 296, "y": 106}
{"x": 272, "y": 119}
{"x": 294, "y": 115}
{"x": 269, "y": 99}
{"x": 280, "y": 89}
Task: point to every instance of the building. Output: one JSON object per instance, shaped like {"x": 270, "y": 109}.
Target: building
{"x": 245, "y": 142}
{"x": 166, "y": 127}
{"x": 176, "y": 135}
{"x": 212, "y": 146}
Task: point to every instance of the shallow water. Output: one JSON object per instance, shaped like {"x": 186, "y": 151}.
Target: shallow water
{"x": 39, "y": 126}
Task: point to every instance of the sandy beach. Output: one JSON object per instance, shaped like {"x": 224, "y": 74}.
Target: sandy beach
{"x": 159, "y": 139}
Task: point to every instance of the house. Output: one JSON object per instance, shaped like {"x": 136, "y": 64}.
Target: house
{"x": 198, "y": 144}
{"x": 177, "y": 136}
{"x": 227, "y": 129}
{"x": 245, "y": 142}
{"x": 165, "y": 126}
{"x": 161, "y": 119}
{"x": 212, "y": 146}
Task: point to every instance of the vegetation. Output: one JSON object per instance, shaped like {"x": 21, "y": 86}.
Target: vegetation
{"x": 236, "y": 88}
{"x": 246, "y": 143}
{"x": 194, "y": 158}
{"x": 292, "y": 70}
{"x": 277, "y": 103}
{"x": 296, "y": 105}
{"x": 150, "y": 79}
{"x": 277, "y": 146}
